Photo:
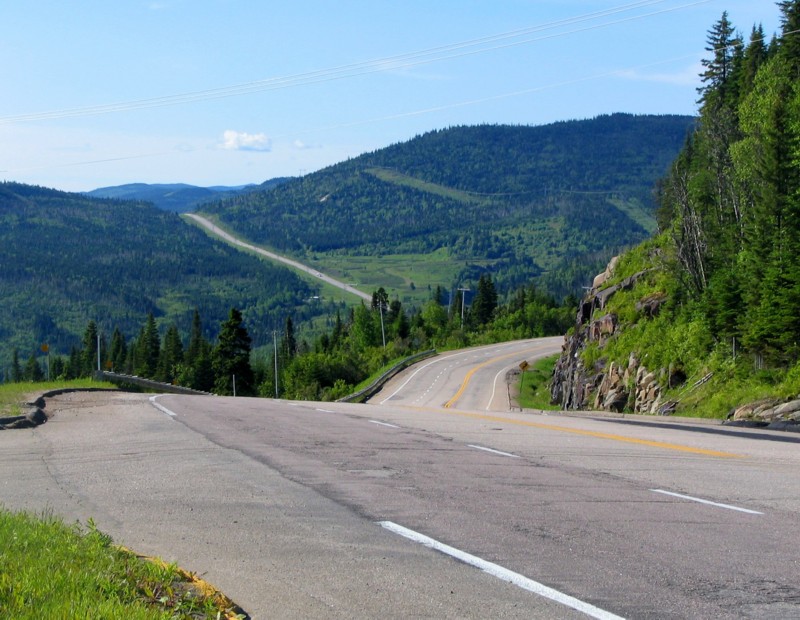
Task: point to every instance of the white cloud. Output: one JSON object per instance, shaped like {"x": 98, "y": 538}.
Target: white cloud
{"x": 242, "y": 141}
{"x": 302, "y": 146}
{"x": 689, "y": 76}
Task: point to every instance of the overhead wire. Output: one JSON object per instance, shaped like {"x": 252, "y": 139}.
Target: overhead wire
{"x": 397, "y": 62}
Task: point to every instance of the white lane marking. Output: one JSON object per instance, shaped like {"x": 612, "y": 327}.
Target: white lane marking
{"x": 494, "y": 388}
{"x": 411, "y": 376}
{"x": 384, "y": 424}
{"x": 325, "y": 410}
{"x": 501, "y": 573}
{"x": 485, "y": 449}
{"x": 705, "y": 501}
{"x": 161, "y": 407}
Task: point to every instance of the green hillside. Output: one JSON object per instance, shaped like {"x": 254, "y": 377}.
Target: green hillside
{"x": 549, "y": 203}
{"x": 704, "y": 318}
{"x": 66, "y": 258}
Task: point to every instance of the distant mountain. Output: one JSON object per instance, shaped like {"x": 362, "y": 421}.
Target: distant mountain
{"x": 68, "y": 258}
{"x": 545, "y": 204}
{"x": 177, "y": 197}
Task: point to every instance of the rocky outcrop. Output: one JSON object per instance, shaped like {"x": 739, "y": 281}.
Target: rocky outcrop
{"x": 630, "y": 387}
{"x": 768, "y": 413}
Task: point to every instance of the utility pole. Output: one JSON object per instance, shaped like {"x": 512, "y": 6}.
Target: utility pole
{"x": 383, "y": 333}
{"x": 275, "y": 347}
{"x": 463, "y": 291}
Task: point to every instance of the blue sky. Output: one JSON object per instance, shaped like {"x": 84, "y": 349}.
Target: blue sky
{"x": 227, "y": 92}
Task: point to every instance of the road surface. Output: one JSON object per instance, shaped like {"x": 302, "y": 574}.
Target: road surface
{"x": 472, "y": 378}
{"x": 302, "y": 510}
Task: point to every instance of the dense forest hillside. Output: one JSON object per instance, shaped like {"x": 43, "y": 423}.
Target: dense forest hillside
{"x": 710, "y": 308}
{"x": 547, "y": 203}
{"x": 66, "y": 259}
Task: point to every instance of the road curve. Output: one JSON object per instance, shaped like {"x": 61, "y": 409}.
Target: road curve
{"x": 296, "y": 509}
{"x": 312, "y": 271}
{"x": 473, "y": 378}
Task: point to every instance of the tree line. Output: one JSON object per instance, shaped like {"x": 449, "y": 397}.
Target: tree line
{"x": 731, "y": 203}
{"x": 351, "y": 349}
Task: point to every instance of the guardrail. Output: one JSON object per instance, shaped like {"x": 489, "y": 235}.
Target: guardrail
{"x": 372, "y": 388}
{"x": 118, "y": 378}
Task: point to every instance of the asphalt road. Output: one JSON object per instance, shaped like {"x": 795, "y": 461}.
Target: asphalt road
{"x": 286, "y": 506}
{"x": 472, "y": 378}
{"x": 213, "y": 228}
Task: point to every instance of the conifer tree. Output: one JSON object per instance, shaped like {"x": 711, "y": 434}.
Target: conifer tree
{"x": 89, "y": 354}
{"x": 231, "y": 357}
{"x": 33, "y": 371}
{"x": 148, "y": 349}
{"x": 16, "y": 368}
{"x": 171, "y": 355}
{"x": 485, "y": 301}
{"x": 718, "y": 88}
{"x": 119, "y": 352}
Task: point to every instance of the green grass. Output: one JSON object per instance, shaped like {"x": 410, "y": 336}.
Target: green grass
{"x": 394, "y": 176}
{"x": 535, "y": 385}
{"x": 52, "y": 570}
{"x": 14, "y": 395}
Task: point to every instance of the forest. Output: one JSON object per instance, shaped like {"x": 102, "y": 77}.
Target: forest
{"x": 731, "y": 203}
{"x": 713, "y": 312}
{"x": 367, "y": 338}
{"x": 549, "y": 204}
{"x": 67, "y": 258}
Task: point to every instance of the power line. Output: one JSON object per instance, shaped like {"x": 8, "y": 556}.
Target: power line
{"x": 401, "y": 61}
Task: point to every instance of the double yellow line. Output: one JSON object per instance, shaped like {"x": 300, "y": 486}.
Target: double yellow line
{"x": 552, "y": 427}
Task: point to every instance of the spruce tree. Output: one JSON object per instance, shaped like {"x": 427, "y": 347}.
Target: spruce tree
{"x": 16, "y": 368}
{"x": 718, "y": 88}
{"x": 148, "y": 348}
{"x": 119, "y": 352}
{"x": 33, "y": 371}
{"x": 485, "y": 302}
{"x": 231, "y": 358}
{"x": 171, "y": 355}
{"x": 89, "y": 354}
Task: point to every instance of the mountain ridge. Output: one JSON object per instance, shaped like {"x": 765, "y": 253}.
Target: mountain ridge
{"x": 521, "y": 201}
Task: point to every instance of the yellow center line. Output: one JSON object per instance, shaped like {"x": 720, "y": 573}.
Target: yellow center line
{"x": 464, "y": 384}
{"x": 575, "y": 431}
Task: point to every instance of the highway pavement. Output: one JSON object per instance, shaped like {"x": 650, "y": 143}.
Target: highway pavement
{"x": 397, "y": 510}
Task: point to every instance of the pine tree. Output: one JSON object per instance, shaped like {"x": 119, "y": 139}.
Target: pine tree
{"x": 119, "y": 352}
{"x": 89, "y": 354}
{"x": 171, "y": 355}
{"x": 718, "y": 88}
{"x": 485, "y": 302}
{"x": 16, "y": 368}
{"x": 231, "y": 357}
{"x": 789, "y": 47}
{"x": 196, "y": 341}
{"x": 33, "y": 371}
{"x": 148, "y": 349}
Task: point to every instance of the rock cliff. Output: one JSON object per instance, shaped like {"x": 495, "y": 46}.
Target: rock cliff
{"x": 632, "y": 387}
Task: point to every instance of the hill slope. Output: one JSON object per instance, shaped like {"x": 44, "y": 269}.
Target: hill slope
{"x": 549, "y": 202}
{"x": 67, "y": 258}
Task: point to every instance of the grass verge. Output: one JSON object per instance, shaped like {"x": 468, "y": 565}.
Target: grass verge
{"x": 49, "y": 569}
{"x": 534, "y": 388}
{"x": 14, "y": 395}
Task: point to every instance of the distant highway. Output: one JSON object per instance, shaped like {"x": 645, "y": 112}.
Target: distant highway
{"x": 312, "y": 271}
